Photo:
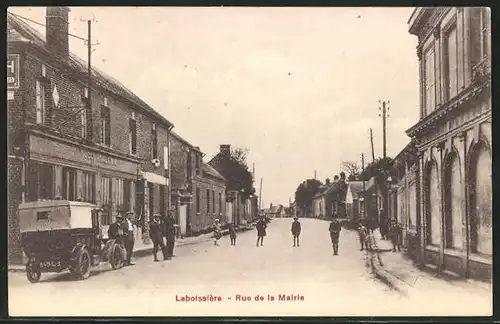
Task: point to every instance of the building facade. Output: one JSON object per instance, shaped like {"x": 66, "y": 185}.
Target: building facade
{"x": 402, "y": 202}
{"x": 63, "y": 145}
{"x": 198, "y": 191}
{"x": 453, "y": 138}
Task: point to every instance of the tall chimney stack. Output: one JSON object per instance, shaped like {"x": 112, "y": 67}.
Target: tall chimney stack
{"x": 225, "y": 149}
{"x": 57, "y": 29}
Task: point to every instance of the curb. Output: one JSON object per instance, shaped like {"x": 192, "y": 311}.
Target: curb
{"x": 378, "y": 270}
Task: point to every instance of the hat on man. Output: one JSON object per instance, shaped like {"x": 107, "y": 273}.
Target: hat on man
{"x": 119, "y": 216}
{"x": 295, "y": 218}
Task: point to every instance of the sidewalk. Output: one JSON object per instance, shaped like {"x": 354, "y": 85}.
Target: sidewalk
{"x": 141, "y": 249}
{"x": 401, "y": 272}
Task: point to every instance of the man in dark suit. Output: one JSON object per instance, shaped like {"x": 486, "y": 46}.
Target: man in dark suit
{"x": 296, "y": 229}
{"x": 115, "y": 230}
{"x": 128, "y": 235}
{"x": 156, "y": 235}
{"x": 334, "y": 229}
{"x": 170, "y": 234}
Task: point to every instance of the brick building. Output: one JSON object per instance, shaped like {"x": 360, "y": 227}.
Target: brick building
{"x": 113, "y": 152}
{"x": 198, "y": 190}
{"x": 453, "y": 138}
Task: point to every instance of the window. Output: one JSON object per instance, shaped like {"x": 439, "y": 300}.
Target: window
{"x": 105, "y": 126}
{"x": 106, "y": 200}
{"x": 197, "y": 161}
{"x": 429, "y": 82}
{"x": 132, "y": 136}
{"x": 88, "y": 186}
{"x": 220, "y": 202}
{"x": 83, "y": 118}
{"x": 450, "y": 63}
{"x": 208, "y": 201}
{"x": 40, "y": 102}
{"x": 40, "y": 182}
{"x": 188, "y": 165}
{"x": 151, "y": 199}
{"x": 162, "y": 200}
{"x": 119, "y": 194}
{"x": 127, "y": 194}
{"x": 479, "y": 34}
{"x": 213, "y": 201}
{"x": 44, "y": 215}
{"x": 197, "y": 200}
{"x": 69, "y": 184}
{"x": 154, "y": 142}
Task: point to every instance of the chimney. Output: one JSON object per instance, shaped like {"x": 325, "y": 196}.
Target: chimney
{"x": 57, "y": 30}
{"x": 225, "y": 149}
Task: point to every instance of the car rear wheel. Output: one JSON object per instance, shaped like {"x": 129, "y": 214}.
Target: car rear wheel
{"x": 33, "y": 271}
{"x": 82, "y": 266}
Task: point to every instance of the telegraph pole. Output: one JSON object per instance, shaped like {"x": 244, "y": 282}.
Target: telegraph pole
{"x": 88, "y": 115}
{"x": 364, "y": 195}
{"x": 384, "y": 116}
{"x": 373, "y": 149}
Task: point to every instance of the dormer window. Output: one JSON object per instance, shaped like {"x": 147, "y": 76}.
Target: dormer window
{"x": 106, "y": 102}
{"x": 44, "y": 72}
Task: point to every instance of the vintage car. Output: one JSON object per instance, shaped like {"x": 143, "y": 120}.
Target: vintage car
{"x": 60, "y": 234}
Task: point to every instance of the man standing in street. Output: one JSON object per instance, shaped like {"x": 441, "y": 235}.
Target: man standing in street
{"x": 261, "y": 231}
{"x": 335, "y": 228}
{"x": 395, "y": 235}
{"x": 296, "y": 228}
{"x": 170, "y": 234}
{"x": 129, "y": 235}
{"x": 156, "y": 235}
{"x": 363, "y": 236}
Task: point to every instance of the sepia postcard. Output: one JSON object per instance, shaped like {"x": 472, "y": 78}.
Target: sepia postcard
{"x": 249, "y": 161}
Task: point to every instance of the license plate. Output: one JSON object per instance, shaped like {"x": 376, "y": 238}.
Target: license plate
{"x": 50, "y": 264}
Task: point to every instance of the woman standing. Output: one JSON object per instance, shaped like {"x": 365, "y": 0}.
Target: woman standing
{"x": 261, "y": 231}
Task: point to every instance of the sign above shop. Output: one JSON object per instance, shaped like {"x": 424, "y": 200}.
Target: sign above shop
{"x": 13, "y": 71}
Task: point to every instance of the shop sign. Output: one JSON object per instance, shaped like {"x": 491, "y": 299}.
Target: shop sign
{"x": 13, "y": 71}
{"x": 92, "y": 158}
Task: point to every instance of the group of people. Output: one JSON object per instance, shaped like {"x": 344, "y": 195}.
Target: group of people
{"x": 260, "y": 226}
{"x": 122, "y": 230}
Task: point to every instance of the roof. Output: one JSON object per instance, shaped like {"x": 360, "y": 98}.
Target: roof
{"x": 212, "y": 172}
{"x": 356, "y": 188}
{"x": 322, "y": 190}
{"x": 174, "y": 134}
{"x": 31, "y": 35}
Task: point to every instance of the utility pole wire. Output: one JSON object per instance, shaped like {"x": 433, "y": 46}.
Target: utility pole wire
{"x": 38, "y": 23}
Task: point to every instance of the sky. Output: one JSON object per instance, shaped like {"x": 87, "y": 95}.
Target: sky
{"x": 298, "y": 87}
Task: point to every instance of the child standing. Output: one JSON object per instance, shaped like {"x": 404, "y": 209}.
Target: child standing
{"x": 232, "y": 234}
{"x": 217, "y": 232}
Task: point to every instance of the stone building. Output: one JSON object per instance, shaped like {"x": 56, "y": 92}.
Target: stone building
{"x": 402, "y": 197}
{"x": 453, "y": 138}
{"x": 112, "y": 152}
{"x": 198, "y": 190}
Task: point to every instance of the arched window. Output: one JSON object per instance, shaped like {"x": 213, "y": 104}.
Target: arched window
{"x": 480, "y": 190}
{"x": 453, "y": 202}
{"x": 433, "y": 199}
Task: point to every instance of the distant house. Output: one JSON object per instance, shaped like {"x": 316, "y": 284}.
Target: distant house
{"x": 277, "y": 211}
{"x": 240, "y": 208}
{"x": 330, "y": 200}
{"x": 354, "y": 200}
